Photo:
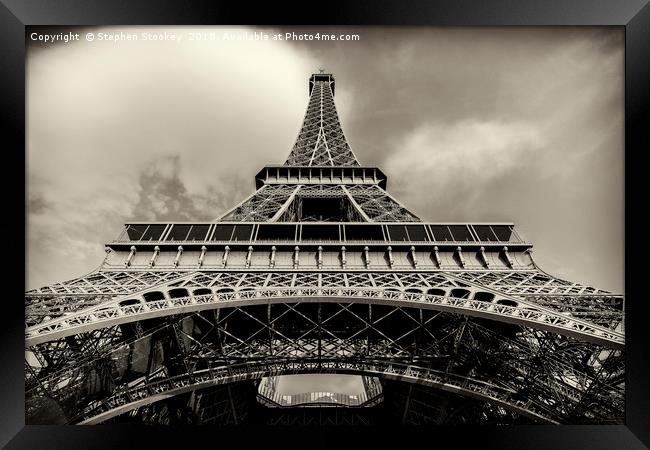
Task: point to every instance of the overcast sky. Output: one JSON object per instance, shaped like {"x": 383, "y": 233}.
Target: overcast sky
{"x": 512, "y": 124}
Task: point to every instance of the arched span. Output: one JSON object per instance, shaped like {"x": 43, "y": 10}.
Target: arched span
{"x": 145, "y": 394}
{"x": 521, "y": 313}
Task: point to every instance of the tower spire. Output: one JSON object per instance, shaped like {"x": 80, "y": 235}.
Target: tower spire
{"x": 321, "y": 141}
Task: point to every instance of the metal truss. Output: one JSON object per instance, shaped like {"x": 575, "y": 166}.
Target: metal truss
{"x": 273, "y": 202}
{"x": 412, "y": 404}
{"x": 405, "y": 403}
{"x": 268, "y": 394}
{"x": 379, "y": 205}
{"x": 110, "y": 282}
{"x": 222, "y": 405}
{"x": 276, "y": 399}
{"x": 321, "y": 141}
{"x": 102, "y": 283}
{"x": 140, "y": 395}
{"x": 438, "y": 291}
{"x": 261, "y": 205}
{"x": 573, "y": 380}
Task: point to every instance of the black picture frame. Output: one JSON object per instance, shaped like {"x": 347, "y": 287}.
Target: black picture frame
{"x": 633, "y": 15}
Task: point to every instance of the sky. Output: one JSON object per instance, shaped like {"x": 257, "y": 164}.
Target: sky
{"x": 470, "y": 124}
{"x": 520, "y": 125}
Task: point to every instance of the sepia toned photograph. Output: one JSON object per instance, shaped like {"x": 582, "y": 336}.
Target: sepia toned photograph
{"x": 343, "y": 226}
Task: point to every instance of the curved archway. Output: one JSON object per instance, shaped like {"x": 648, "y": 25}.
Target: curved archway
{"x": 504, "y": 310}
{"x": 202, "y": 291}
{"x": 144, "y": 394}
{"x": 437, "y": 291}
{"x": 484, "y": 296}
{"x": 129, "y": 302}
{"x": 460, "y": 293}
{"x": 178, "y": 293}
{"x": 153, "y": 296}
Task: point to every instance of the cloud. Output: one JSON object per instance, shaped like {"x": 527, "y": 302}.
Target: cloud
{"x": 509, "y": 124}
{"x": 148, "y": 130}
{"x": 437, "y": 159}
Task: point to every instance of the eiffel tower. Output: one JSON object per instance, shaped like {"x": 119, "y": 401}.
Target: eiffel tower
{"x": 322, "y": 271}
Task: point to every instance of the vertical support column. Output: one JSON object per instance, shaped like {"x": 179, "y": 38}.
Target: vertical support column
{"x": 391, "y": 261}
{"x": 484, "y": 257}
{"x": 506, "y": 255}
{"x": 414, "y": 257}
{"x": 156, "y": 252}
{"x": 320, "y": 336}
{"x": 369, "y": 329}
{"x": 436, "y": 256}
{"x": 270, "y": 327}
{"x": 130, "y": 257}
{"x": 203, "y": 250}
{"x": 249, "y": 255}
{"x": 224, "y": 259}
{"x": 178, "y": 255}
{"x": 461, "y": 259}
{"x": 296, "y": 257}
{"x": 272, "y": 257}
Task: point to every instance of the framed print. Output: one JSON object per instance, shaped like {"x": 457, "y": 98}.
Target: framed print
{"x": 213, "y": 245}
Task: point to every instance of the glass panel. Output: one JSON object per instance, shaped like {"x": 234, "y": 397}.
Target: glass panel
{"x": 417, "y": 232}
{"x": 198, "y": 233}
{"x": 242, "y": 233}
{"x": 503, "y": 232}
{"x": 363, "y": 233}
{"x": 484, "y": 233}
{"x": 223, "y": 233}
{"x": 178, "y": 232}
{"x": 460, "y": 233}
{"x": 135, "y": 232}
{"x": 441, "y": 233}
{"x": 276, "y": 232}
{"x": 154, "y": 232}
{"x": 320, "y": 232}
{"x": 397, "y": 233}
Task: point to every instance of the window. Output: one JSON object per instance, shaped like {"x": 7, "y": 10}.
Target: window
{"x": 441, "y": 233}
{"x": 178, "y": 232}
{"x": 417, "y": 232}
{"x": 153, "y": 233}
{"x": 223, "y": 233}
{"x": 135, "y": 232}
{"x": 397, "y": 233}
{"x": 242, "y": 233}
{"x": 363, "y": 233}
{"x": 503, "y": 232}
{"x": 320, "y": 232}
{"x": 276, "y": 233}
{"x": 178, "y": 293}
{"x": 198, "y": 232}
{"x": 484, "y": 233}
{"x": 460, "y": 233}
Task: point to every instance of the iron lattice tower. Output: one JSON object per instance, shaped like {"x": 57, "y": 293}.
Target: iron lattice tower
{"x": 320, "y": 270}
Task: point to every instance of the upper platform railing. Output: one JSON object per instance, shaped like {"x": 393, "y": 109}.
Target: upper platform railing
{"x": 327, "y": 175}
{"x": 162, "y": 233}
